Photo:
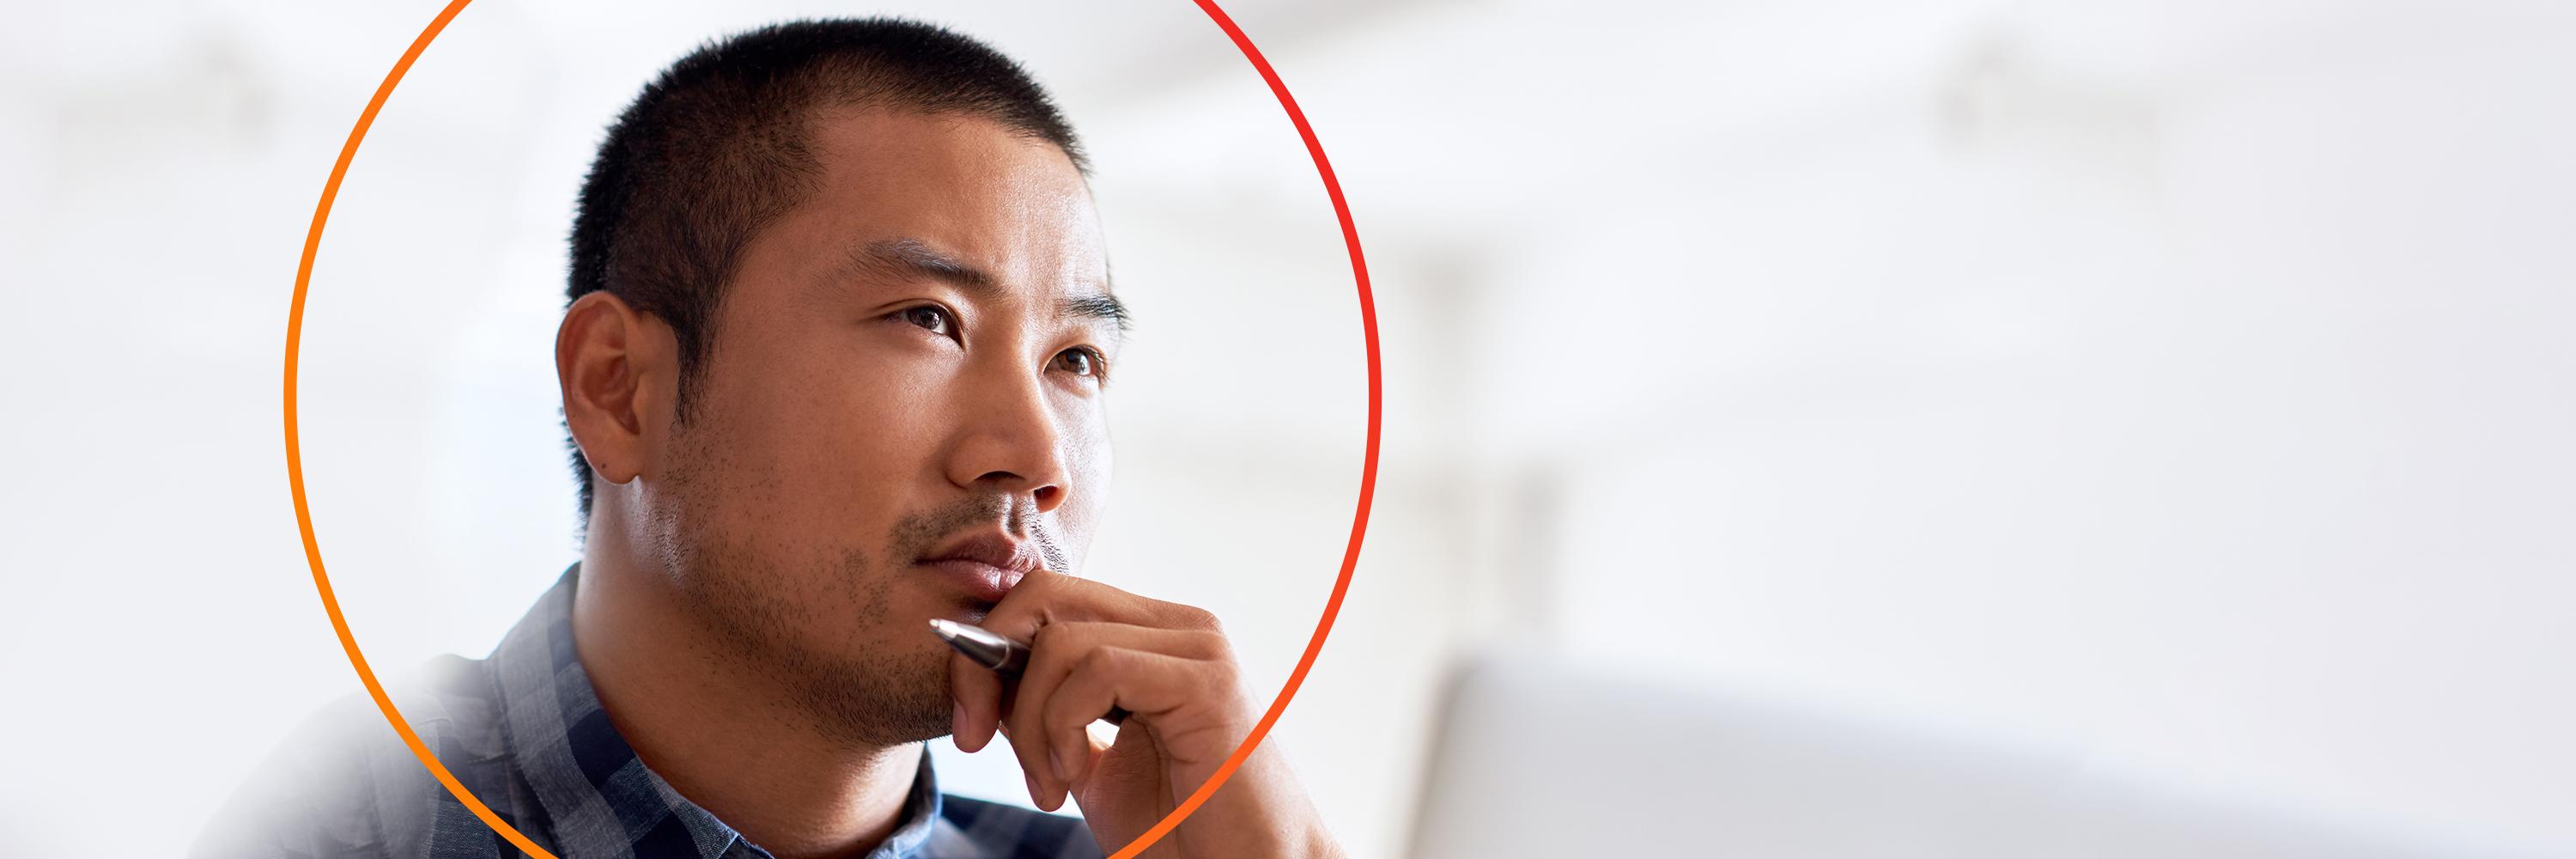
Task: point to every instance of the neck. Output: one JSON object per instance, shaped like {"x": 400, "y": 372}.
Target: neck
{"x": 732, "y": 744}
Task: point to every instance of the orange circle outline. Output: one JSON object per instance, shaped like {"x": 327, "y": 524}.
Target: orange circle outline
{"x": 385, "y": 704}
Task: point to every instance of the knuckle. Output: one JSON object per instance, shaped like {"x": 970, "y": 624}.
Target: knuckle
{"x": 1039, "y": 581}
{"x": 1099, "y": 661}
{"x": 1195, "y": 618}
{"x": 1052, "y": 641}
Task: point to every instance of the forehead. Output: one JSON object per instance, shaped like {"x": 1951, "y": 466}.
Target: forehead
{"x": 1005, "y": 203}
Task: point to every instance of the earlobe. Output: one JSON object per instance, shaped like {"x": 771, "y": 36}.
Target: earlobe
{"x": 608, "y": 360}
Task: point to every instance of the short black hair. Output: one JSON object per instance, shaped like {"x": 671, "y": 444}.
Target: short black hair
{"x": 718, "y": 146}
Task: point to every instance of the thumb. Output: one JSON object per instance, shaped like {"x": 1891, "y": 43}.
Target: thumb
{"x": 978, "y": 694}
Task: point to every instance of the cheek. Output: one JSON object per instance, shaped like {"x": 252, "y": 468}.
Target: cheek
{"x": 1087, "y": 457}
{"x": 826, "y": 441}
{"x": 1087, "y": 462}
{"x": 866, "y": 418}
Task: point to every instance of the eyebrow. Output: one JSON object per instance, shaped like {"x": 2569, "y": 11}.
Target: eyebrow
{"x": 909, "y": 257}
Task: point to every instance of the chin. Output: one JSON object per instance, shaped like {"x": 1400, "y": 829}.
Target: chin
{"x": 892, "y": 694}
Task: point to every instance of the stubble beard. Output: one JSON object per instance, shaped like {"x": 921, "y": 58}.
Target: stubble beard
{"x": 856, "y": 696}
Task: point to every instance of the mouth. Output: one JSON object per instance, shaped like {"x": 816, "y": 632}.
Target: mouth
{"x": 983, "y": 566}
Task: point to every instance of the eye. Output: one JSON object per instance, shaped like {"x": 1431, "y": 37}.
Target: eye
{"x": 1081, "y": 362}
{"x": 932, "y": 319}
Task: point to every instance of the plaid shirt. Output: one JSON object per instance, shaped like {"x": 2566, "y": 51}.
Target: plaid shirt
{"x": 525, "y": 733}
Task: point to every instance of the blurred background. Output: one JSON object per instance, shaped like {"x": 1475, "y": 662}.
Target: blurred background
{"x": 1826, "y": 428}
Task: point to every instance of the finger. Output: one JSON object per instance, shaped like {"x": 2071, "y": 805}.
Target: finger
{"x": 1054, "y": 653}
{"x": 979, "y": 701}
{"x": 1028, "y": 744}
{"x": 1047, "y": 597}
{"x": 1050, "y": 649}
{"x": 1154, "y": 686}
{"x": 1037, "y": 600}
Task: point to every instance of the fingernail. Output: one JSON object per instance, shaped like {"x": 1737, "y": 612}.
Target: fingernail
{"x": 1034, "y": 795}
{"x": 1063, "y": 763}
{"x": 957, "y": 719}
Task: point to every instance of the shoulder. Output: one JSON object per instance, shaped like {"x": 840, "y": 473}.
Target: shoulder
{"x": 1011, "y": 832}
{"x": 344, "y": 783}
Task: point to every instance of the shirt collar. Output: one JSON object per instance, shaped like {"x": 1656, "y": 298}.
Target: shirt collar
{"x": 602, "y": 801}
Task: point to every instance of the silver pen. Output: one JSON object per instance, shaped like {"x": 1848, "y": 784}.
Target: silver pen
{"x": 1004, "y": 656}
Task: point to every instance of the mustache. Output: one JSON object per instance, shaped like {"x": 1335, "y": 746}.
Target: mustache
{"x": 916, "y": 534}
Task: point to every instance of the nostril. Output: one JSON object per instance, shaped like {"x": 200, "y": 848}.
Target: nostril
{"x": 1046, "y": 495}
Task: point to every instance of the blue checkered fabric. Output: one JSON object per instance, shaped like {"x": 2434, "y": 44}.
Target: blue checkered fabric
{"x": 524, "y": 732}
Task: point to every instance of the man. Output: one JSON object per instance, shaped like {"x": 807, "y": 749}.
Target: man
{"x": 834, "y": 366}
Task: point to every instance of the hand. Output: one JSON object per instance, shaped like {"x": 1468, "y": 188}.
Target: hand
{"x": 1094, "y": 647}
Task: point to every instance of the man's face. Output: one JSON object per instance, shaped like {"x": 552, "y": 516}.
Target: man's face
{"x": 901, "y": 412}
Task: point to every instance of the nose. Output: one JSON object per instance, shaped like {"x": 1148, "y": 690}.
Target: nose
{"x": 1009, "y": 442}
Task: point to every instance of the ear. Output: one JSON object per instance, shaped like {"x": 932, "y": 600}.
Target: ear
{"x": 619, "y": 368}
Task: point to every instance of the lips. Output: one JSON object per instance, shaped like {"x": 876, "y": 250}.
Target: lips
{"x": 986, "y": 565}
